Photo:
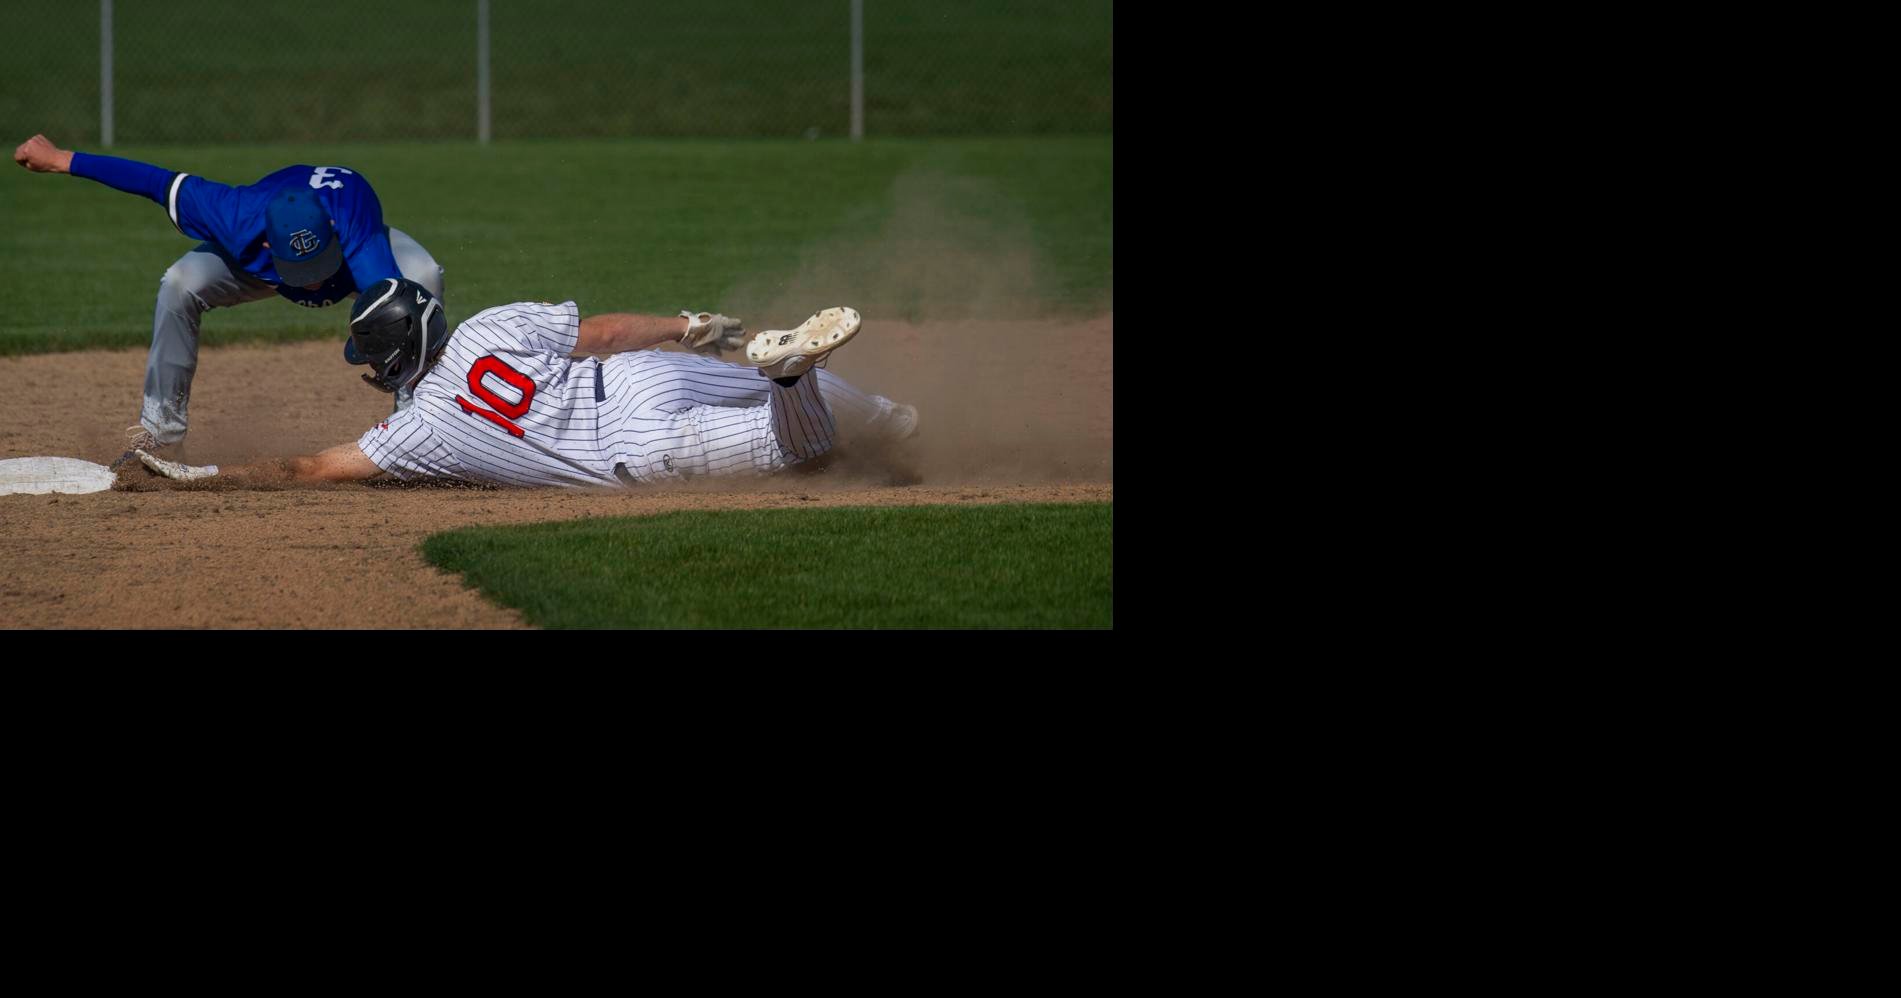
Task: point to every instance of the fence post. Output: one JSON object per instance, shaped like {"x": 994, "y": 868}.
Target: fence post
{"x": 481, "y": 72}
{"x": 857, "y": 70}
{"x": 105, "y": 73}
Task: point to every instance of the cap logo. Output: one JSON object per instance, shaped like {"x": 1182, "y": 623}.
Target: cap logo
{"x": 320, "y": 178}
{"x": 303, "y": 241}
{"x": 420, "y": 299}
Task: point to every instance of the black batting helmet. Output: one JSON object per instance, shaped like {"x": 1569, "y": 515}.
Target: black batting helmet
{"x": 398, "y": 328}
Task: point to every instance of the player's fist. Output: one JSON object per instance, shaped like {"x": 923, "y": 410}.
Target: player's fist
{"x": 710, "y": 332}
{"x": 40, "y": 155}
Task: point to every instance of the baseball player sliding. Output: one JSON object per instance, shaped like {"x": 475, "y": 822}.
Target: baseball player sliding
{"x": 507, "y": 400}
{"x": 312, "y": 234}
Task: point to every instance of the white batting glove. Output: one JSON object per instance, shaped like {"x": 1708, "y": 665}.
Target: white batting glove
{"x": 710, "y": 332}
{"x": 174, "y": 470}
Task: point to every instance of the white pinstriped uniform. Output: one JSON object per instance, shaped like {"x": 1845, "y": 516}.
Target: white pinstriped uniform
{"x": 659, "y": 416}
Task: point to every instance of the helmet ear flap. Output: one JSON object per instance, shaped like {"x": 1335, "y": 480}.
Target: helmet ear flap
{"x": 429, "y": 339}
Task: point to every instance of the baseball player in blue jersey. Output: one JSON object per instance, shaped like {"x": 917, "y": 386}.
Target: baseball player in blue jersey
{"x": 312, "y": 234}
{"x": 533, "y": 394}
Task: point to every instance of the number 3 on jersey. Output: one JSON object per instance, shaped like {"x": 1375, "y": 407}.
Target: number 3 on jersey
{"x": 505, "y": 412}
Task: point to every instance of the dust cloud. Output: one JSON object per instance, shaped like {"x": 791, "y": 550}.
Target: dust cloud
{"x": 1009, "y": 387}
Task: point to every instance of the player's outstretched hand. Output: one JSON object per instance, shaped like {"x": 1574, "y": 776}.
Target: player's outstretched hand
{"x": 710, "y": 332}
{"x": 40, "y": 155}
{"x": 174, "y": 470}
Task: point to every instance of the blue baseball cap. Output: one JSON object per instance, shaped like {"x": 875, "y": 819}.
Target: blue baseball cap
{"x": 303, "y": 240}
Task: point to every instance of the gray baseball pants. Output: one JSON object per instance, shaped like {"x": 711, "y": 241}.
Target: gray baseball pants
{"x": 202, "y": 280}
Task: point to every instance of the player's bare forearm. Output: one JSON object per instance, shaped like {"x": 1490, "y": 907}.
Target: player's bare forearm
{"x": 343, "y": 463}
{"x": 619, "y": 332}
{"x": 40, "y": 155}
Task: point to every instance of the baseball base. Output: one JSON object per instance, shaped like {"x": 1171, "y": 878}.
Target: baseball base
{"x": 31, "y": 475}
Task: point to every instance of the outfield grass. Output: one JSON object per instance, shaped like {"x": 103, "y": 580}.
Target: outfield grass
{"x": 365, "y": 70}
{"x": 1007, "y": 566}
{"x": 649, "y": 226}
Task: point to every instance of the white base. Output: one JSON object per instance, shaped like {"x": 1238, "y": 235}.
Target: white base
{"x": 52, "y": 474}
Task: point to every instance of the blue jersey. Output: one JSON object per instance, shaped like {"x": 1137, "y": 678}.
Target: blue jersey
{"x": 231, "y": 219}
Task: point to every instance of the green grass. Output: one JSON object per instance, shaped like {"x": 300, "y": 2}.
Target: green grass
{"x": 364, "y": 70}
{"x": 645, "y": 226}
{"x": 1010, "y": 566}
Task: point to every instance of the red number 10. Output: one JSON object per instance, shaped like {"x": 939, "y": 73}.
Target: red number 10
{"x": 505, "y": 411}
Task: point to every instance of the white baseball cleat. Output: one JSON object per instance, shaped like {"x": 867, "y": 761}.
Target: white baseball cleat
{"x": 902, "y": 423}
{"x": 174, "y": 470}
{"x": 137, "y": 438}
{"x": 784, "y": 353}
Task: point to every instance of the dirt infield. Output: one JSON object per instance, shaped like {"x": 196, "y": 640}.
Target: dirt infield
{"x": 1009, "y": 412}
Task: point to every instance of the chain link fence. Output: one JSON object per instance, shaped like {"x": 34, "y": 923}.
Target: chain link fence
{"x": 162, "y": 71}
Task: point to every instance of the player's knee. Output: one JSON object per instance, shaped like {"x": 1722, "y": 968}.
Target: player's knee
{"x": 178, "y": 292}
{"x": 816, "y": 464}
{"x": 800, "y": 449}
